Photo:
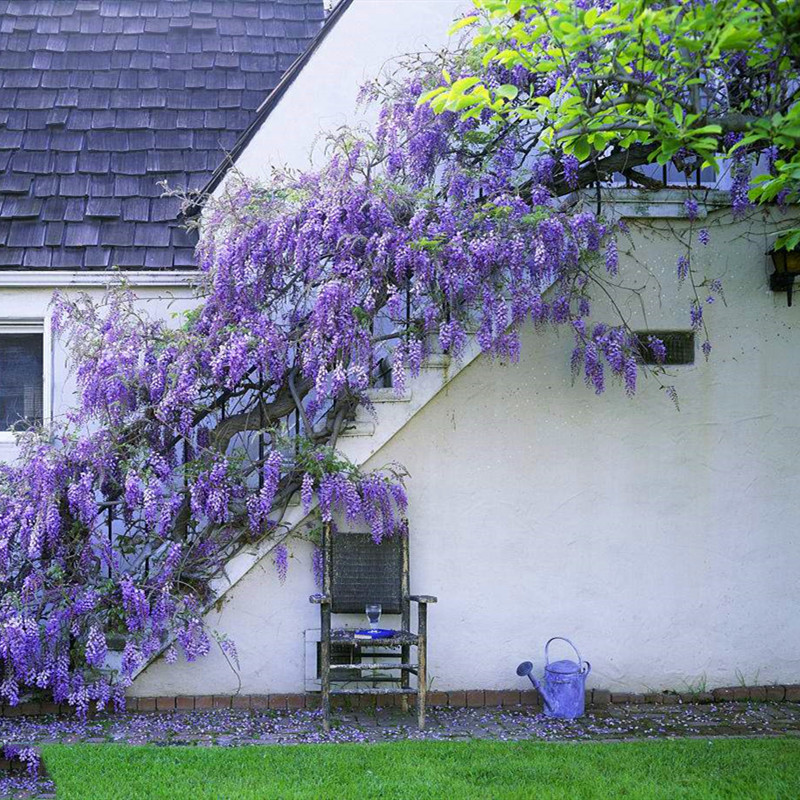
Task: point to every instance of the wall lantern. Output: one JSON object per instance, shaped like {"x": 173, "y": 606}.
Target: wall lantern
{"x": 787, "y": 268}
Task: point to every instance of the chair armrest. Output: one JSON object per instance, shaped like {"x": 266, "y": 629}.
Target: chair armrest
{"x": 423, "y": 598}
{"x": 319, "y": 599}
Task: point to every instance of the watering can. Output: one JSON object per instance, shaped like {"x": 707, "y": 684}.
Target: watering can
{"x": 564, "y": 683}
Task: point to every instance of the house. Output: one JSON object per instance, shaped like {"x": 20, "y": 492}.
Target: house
{"x": 661, "y": 541}
{"x": 101, "y": 103}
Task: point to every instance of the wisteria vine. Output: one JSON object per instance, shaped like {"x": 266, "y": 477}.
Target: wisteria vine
{"x": 190, "y": 442}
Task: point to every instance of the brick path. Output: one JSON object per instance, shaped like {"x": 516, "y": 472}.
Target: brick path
{"x": 230, "y": 727}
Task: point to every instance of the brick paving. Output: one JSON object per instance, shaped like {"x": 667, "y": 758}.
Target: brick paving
{"x": 229, "y": 727}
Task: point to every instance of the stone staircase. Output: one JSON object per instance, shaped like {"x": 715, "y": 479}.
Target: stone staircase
{"x": 370, "y": 430}
{"x": 366, "y": 435}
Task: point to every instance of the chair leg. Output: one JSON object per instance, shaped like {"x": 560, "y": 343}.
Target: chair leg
{"x": 422, "y": 672}
{"x": 325, "y": 658}
{"x": 405, "y": 655}
{"x": 326, "y": 701}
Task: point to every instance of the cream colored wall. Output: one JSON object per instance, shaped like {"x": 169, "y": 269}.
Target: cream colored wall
{"x": 664, "y": 543}
{"x": 366, "y": 40}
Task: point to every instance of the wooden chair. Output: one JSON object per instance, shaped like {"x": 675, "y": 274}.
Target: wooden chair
{"x": 356, "y": 572}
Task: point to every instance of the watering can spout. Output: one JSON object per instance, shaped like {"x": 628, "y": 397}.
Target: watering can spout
{"x": 526, "y": 668}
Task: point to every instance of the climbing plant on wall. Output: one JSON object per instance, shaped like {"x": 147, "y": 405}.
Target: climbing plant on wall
{"x": 446, "y": 221}
{"x": 615, "y": 86}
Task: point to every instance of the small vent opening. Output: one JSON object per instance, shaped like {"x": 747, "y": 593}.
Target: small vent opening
{"x": 679, "y": 346}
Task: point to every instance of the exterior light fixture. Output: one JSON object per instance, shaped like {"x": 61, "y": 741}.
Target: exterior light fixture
{"x": 787, "y": 268}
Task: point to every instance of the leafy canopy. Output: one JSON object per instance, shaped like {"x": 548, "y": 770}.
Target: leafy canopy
{"x": 694, "y": 83}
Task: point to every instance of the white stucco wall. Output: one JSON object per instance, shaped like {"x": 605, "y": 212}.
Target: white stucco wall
{"x": 664, "y": 543}
{"x": 366, "y": 40}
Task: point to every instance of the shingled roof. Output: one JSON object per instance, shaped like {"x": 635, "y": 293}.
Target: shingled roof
{"x": 100, "y": 100}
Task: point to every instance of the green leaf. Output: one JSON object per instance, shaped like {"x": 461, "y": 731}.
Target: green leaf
{"x": 438, "y": 103}
{"x": 788, "y": 241}
{"x": 706, "y": 129}
{"x": 581, "y": 148}
{"x": 462, "y": 101}
{"x": 507, "y": 90}
{"x": 462, "y": 23}
{"x": 428, "y": 96}
{"x": 462, "y": 84}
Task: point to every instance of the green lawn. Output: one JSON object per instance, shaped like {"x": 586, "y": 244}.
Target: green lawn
{"x": 479, "y": 770}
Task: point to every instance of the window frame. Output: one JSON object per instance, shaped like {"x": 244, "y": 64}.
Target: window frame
{"x": 32, "y": 325}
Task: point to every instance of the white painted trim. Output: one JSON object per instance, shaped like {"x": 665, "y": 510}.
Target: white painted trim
{"x": 668, "y": 203}
{"x": 50, "y": 279}
{"x": 34, "y": 325}
{"x": 48, "y": 369}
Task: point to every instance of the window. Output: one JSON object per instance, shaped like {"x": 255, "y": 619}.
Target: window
{"x": 21, "y": 375}
{"x": 678, "y": 344}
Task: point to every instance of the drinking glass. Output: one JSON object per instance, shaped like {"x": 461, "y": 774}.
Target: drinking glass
{"x": 373, "y": 614}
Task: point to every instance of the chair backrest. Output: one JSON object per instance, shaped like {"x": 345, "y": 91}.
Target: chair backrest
{"x": 363, "y": 572}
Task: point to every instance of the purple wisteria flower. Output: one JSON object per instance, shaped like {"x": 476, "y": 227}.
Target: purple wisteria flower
{"x": 683, "y": 267}
{"x": 657, "y": 348}
{"x": 696, "y": 315}
{"x": 612, "y": 256}
{"x": 281, "y": 559}
{"x": 570, "y": 165}
{"x": 96, "y": 648}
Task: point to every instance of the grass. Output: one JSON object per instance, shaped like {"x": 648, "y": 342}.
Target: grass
{"x": 476, "y": 770}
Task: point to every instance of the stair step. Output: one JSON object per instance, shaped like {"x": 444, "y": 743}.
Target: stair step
{"x": 360, "y": 427}
{"x": 388, "y": 395}
{"x": 364, "y": 666}
{"x": 437, "y": 361}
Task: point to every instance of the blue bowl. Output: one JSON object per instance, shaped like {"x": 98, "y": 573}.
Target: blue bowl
{"x": 376, "y": 633}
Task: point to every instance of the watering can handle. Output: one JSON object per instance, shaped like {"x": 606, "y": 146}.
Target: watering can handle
{"x": 547, "y": 646}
